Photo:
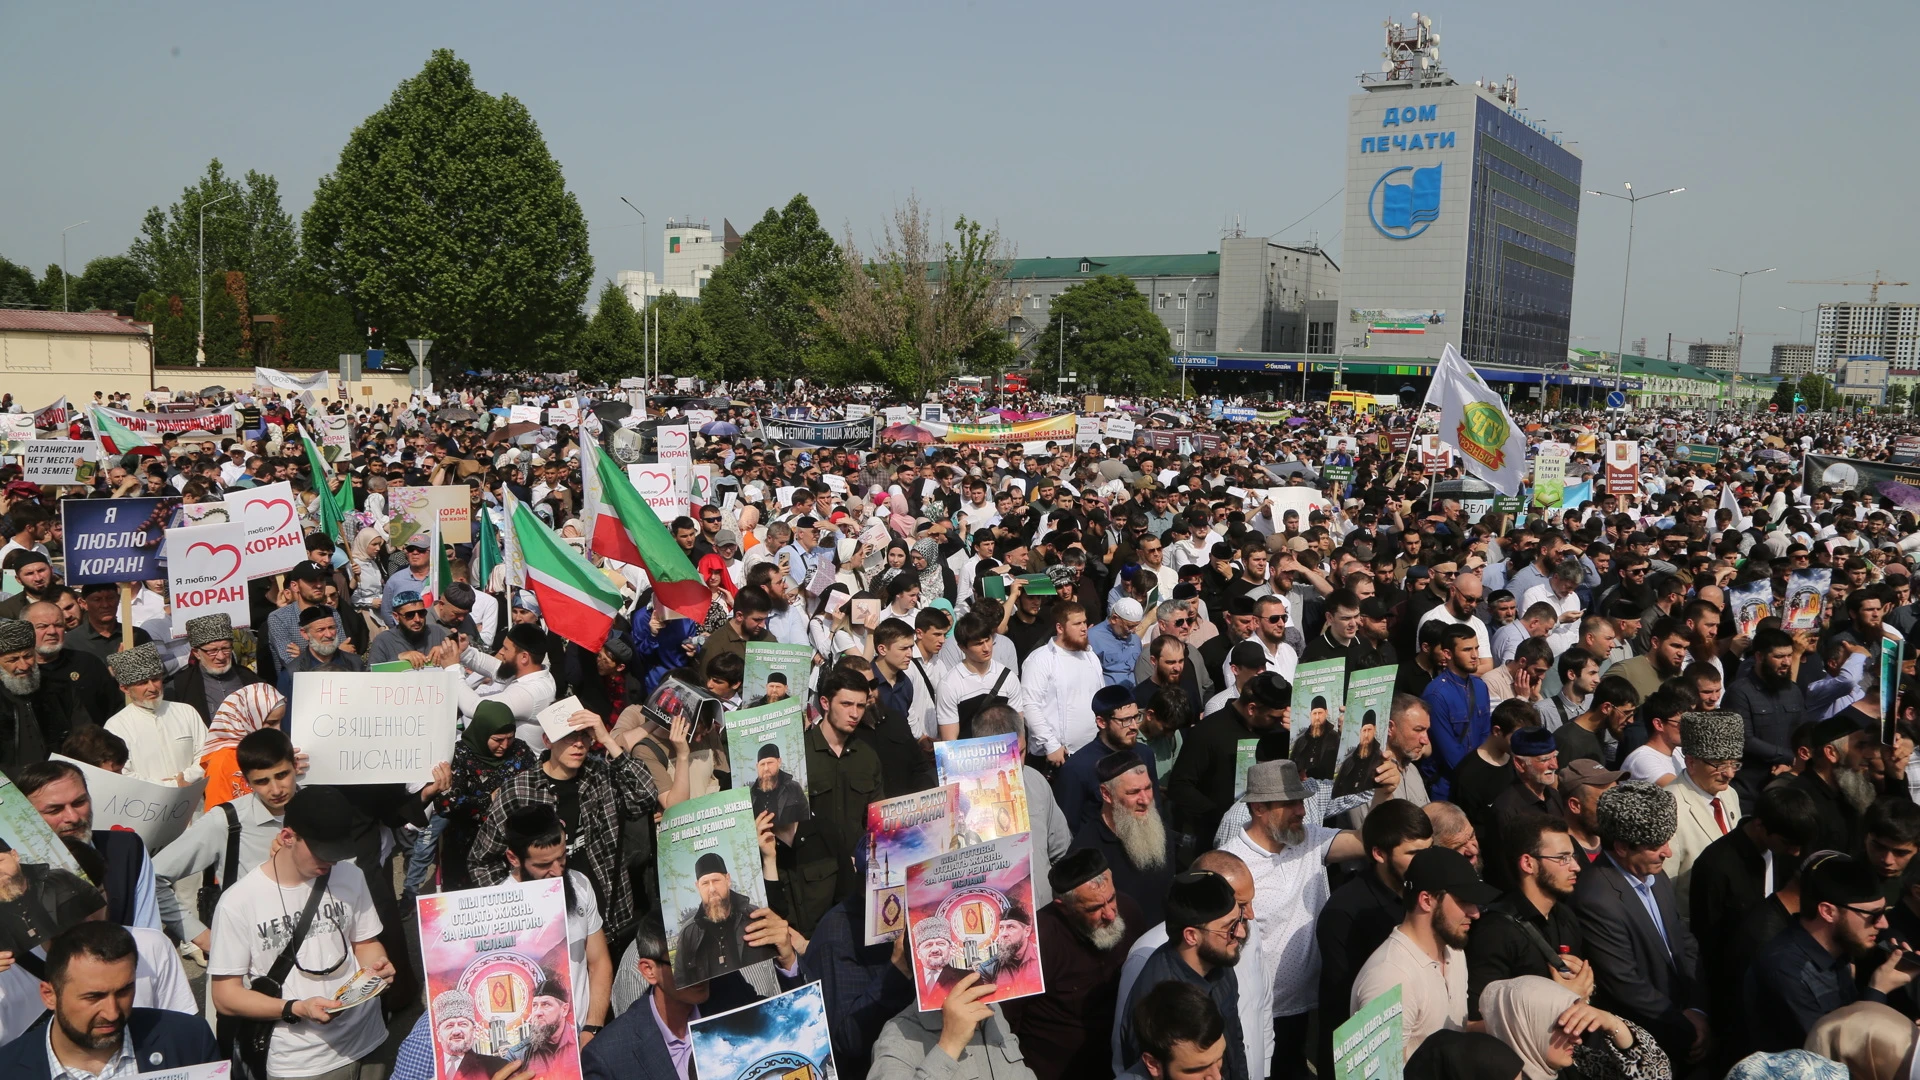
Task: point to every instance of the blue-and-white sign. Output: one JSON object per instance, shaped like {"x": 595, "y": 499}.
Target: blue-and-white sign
{"x": 112, "y": 540}
{"x": 1195, "y": 361}
{"x": 1401, "y": 207}
{"x": 1616, "y": 400}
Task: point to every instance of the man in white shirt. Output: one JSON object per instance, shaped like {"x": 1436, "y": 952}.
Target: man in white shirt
{"x": 163, "y": 737}
{"x": 1459, "y": 606}
{"x": 1659, "y": 759}
{"x": 1560, "y": 592}
{"x": 266, "y": 759}
{"x": 252, "y": 925}
{"x": 1425, "y": 956}
{"x": 537, "y": 850}
{"x": 525, "y": 685}
{"x": 978, "y": 675}
{"x": 1064, "y": 675}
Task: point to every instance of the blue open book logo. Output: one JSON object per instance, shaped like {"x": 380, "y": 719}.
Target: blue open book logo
{"x": 1403, "y": 211}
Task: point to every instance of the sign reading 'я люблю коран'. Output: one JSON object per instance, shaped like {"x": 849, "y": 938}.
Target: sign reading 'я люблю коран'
{"x": 373, "y": 727}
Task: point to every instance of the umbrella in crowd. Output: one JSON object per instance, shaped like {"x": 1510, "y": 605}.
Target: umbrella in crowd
{"x": 456, "y": 415}
{"x": 612, "y": 412}
{"x": 1899, "y": 493}
{"x": 719, "y": 427}
{"x": 1290, "y": 468}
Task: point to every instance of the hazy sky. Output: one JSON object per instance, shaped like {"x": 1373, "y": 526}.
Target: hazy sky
{"x": 1079, "y": 128}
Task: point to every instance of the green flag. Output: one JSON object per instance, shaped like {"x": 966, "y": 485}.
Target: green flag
{"x": 486, "y": 548}
{"x": 331, "y": 514}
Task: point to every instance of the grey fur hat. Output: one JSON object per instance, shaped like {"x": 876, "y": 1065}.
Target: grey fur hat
{"x": 16, "y": 635}
{"x": 1637, "y": 814}
{"x": 1719, "y": 735}
{"x": 136, "y": 665}
{"x": 209, "y": 630}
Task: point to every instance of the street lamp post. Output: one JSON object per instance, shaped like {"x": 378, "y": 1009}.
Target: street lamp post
{"x": 645, "y": 295}
{"x": 200, "y": 343}
{"x": 1801, "y": 336}
{"x": 63, "y": 262}
{"x": 1633, "y": 204}
{"x": 1739, "y": 334}
{"x": 1186, "y": 319}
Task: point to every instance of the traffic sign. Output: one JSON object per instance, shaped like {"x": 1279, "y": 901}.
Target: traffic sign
{"x": 1773, "y": 406}
{"x": 1799, "y": 408}
{"x": 1616, "y": 400}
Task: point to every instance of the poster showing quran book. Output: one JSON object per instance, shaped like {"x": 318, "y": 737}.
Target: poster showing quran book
{"x": 900, "y": 832}
{"x": 499, "y": 980}
{"x": 777, "y": 1038}
{"x": 971, "y": 912}
{"x": 1806, "y": 595}
{"x": 775, "y": 671}
{"x": 710, "y": 884}
{"x": 992, "y": 797}
{"x": 768, "y": 750}
{"x": 1368, "y": 700}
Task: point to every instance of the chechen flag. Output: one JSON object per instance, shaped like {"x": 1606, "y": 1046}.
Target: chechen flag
{"x": 626, "y": 529}
{"x": 577, "y": 601}
{"x": 115, "y": 436}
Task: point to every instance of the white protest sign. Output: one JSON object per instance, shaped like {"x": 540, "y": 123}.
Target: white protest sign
{"x": 699, "y": 418}
{"x": 55, "y": 461}
{"x": 273, "y": 540}
{"x": 859, "y": 412}
{"x": 563, "y": 416}
{"x": 523, "y": 414}
{"x": 836, "y": 482}
{"x": 158, "y": 812}
{"x": 676, "y": 443}
{"x": 1086, "y": 431}
{"x": 373, "y": 727}
{"x": 206, "y": 573}
{"x": 700, "y": 485}
{"x": 897, "y": 414}
{"x": 553, "y": 719}
{"x": 665, "y": 486}
{"x": 1303, "y": 500}
{"x": 16, "y": 426}
{"x": 1120, "y": 428}
{"x": 213, "y": 1070}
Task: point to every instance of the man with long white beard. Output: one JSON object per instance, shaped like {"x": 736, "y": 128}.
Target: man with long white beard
{"x": 163, "y": 737}
{"x": 1129, "y": 832}
{"x": 319, "y": 648}
{"x": 22, "y": 727}
{"x": 88, "y": 695}
{"x": 1084, "y": 937}
{"x": 204, "y": 684}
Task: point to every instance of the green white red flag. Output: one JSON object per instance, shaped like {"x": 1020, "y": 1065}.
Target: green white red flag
{"x": 576, "y": 599}
{"x": 626, "y": 529}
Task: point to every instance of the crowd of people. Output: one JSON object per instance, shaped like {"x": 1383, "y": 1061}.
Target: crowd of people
{"x": 1602, "y": 830}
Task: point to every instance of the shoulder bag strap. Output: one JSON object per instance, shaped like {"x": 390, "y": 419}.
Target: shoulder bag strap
{"x": 230, "y": 870}
{"x": 283, "y": 963}
{"x": 999, "y": 682}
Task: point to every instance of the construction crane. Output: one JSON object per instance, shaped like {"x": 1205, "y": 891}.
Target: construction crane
{"x": 1873, "y": 294}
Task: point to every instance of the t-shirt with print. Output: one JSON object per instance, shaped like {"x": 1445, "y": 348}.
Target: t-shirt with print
{"x": 250, "y": 927}
{"x": 583, "y": 921}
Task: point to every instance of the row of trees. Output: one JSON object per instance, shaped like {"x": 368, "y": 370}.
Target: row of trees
{"x": 446, "y": 217}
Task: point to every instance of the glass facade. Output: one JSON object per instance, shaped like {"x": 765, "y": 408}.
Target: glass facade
{"x": 1520, "y": 243}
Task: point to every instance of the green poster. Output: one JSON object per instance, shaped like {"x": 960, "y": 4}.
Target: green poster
{"x": 1319, "y": 692}
{"x": 1549, "y": 480}
{"x": 1889, "y": 686}
{"x": 1369, "y": 697}
{"x": 1367, "y": 1046}
{"x": 1242, "y": 761}
{"x": 793, "y": 663}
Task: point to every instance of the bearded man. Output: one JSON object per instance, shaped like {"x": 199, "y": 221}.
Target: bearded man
{"x": 163, "y": 737}
{"x": 214, "y": 673}
{"x": 75, "y": 683}
{"x": 1084, "y": 937}
{"x": 1128, "y": 832}
{"x": 553, "y": 1041}
{"x": 35, "y": 574}
{"x": 319, "y": 649}
{"x": 456, "y": 1024}
{"x": 713, "y": 937}
{"x": 775, "y": 791}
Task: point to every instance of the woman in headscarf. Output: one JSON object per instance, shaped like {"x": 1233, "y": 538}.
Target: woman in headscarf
{"x": 1872, "y": 1040}
{"x": 369, "y": 546}
{"x": 1560, "y": 1037}
{"x": 485, "y": 756}
{"x": 936, "y": 581}
{"x": 1787, "y": 1065}
{"x": 830, "y": 630}
{"x": 899, "y": 518}
{"x": 896, "y": 564}
{"x": 245, "y": 711}
{"x": 1462, "y": 1055}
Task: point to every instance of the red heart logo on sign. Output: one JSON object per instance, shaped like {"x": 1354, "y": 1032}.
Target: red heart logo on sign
{"x": 215, "y": 549}
{"x": 653, "y": 484}
{"x": 673, "y": 439}
{"x": 269, "y": 504}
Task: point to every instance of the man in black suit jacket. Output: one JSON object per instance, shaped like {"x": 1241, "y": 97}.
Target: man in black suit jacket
{"x": 211, "y": 638}
{"x": 92, "y": 1023}
{"x": 1645, "y": 970}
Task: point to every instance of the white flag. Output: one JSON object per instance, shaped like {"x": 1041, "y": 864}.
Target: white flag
{"x": 1475, "y": 422}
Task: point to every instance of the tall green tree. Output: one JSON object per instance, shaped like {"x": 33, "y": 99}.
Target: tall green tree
{"x": 1113, "y": 338}
{"x": 246, "y": 230}
{"x": 229, "y": 321}
{"x": 315, "y": 328}
{"x": 17, "y": 287}
{"x": 1818, "y": 394}
{"x": 610, "y": 347}
{"x": 114, "y": 283}
{"x": 55, "y": 290}
{"x": 761, "y": 309}
{"x": 679, "y": 332}
{"x": 447, "y": 218}
{"x": 173, "y": 327}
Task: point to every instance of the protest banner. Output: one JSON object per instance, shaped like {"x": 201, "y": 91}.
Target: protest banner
{"x": 711, "y": 837}
{"x": 1434, "y": 455}
{"x": 1369, "y": 696}
{"x": 674, "y": 443}
{"x": 1549, "y": 479}
{"x": 28, "y": 834}
{"x": 902, "y": 831}
{"x": 1342, "y": 444}
{"x": 563, "y": 416}
{"x": 1806, "y": 592}
{"x": 52, "y": 416}
{"x": 666, "y": 487}
{"x": 486, "y": 954}
{"x": 206, "y": 574}
{"x": 1369, "y": 1045}
{"x": 412, "y": 511}
{"x": 315, "y": 383}
{"x": 453, "y": 504}
{"x": 793, "y": 663}
{"x": 821, "y": 434}
{"x": 146, "y": 423}
{"x": 523, "y": 414}
{"x": 956, "y": 905}
{"x": 273, "y": 540}
{"x": 1623, "y": 467}
{"x": 1322, "y": 687}
{"x": 768, "y": 750}
{"x": 113, "y": 540}
{"x": 158, "y": 812}
{"x": 778, "y": 1038}
{"x": 1120, "y": 428}
{"x": 1878, "y": 478}
{"x": 366, "y": 727}
{"x": 58, "y": 461}
{"x": 992, "y": 788}
{"x": 1750, "y": 603}
{"x": 336, "y": 436}
{"x": 700, "y": 484}
{"x": 1086, "y": 431}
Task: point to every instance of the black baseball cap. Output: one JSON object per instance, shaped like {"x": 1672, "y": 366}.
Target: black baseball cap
{"x": 1442, "y": 870}
{"x": 308, "y": 570}
{"x": 323, "y": 817}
